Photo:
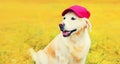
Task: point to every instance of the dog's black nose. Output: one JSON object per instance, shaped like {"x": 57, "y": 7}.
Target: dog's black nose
{"x": 61, "y": 26}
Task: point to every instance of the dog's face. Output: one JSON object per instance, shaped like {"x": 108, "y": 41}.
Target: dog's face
{"x": 71, "y": 24}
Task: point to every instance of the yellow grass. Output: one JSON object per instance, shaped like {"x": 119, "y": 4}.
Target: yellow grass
{"x": 34, "y": 23}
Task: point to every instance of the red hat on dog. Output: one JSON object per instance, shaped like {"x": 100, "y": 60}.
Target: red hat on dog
{"x": 78, "y": 10}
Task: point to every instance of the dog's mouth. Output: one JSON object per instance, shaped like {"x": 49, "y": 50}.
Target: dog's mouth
{"x": 67, "y": 33}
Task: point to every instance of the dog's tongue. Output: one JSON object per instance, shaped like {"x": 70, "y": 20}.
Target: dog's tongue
{"x": 66, "y": 33}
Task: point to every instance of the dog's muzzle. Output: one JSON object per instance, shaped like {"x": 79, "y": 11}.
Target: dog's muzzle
{"x": 66, "y": 33}
{"x": 61, "y": 26}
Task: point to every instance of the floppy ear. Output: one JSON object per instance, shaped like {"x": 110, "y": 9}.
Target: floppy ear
{"x": 89, "y": 26}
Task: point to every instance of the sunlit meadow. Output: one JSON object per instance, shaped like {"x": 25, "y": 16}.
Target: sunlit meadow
{"x": 34, "y": 23}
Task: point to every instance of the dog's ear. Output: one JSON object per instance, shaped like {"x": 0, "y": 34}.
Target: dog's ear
{"x": 89, "y": 26}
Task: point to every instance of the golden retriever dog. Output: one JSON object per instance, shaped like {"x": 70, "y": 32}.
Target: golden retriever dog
{"x": 71, "y": 46}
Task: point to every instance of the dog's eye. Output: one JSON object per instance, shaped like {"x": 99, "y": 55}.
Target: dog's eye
{"x": 73, "y": 18}
{"x": 64, "y": 18}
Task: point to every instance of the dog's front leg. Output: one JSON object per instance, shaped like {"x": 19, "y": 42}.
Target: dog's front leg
{"x": 61, "y": 58}
{"x": 83, "y": 61}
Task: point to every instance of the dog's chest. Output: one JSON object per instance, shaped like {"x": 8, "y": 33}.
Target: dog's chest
{"x": 69, "y": 52}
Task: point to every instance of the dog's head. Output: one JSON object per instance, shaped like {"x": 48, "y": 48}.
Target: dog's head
{"x": 72, "y": 24}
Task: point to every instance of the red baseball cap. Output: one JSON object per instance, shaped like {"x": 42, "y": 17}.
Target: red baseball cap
{"x": 78, "y": 10}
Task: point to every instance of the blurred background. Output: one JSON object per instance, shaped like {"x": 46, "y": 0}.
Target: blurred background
{"x": 34, "y": 23}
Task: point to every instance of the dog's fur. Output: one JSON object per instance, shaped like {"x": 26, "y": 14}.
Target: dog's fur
{"x": 72, "y": 49}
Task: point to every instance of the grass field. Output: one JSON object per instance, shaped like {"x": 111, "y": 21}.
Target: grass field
{"x": 33, "y": 23}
